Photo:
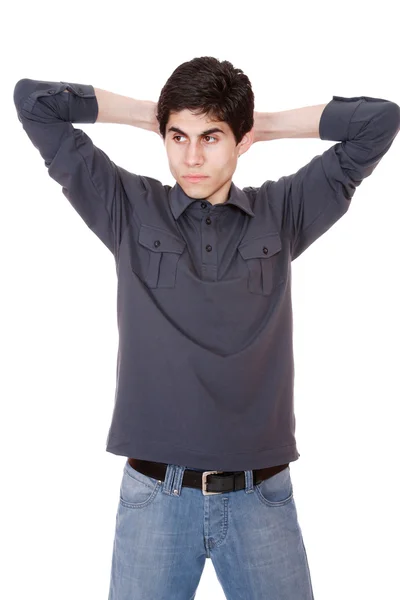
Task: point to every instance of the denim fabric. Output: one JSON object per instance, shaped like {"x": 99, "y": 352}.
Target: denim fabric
{"x": 165, "y": 532}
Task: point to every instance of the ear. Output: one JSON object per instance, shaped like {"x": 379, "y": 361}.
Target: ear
{"x": 246, "y": 142}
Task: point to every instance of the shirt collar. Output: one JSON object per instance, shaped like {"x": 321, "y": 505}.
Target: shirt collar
{"x": 179, "y": 201}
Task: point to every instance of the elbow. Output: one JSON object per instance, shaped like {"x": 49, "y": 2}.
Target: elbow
{"x": 22, "y": 89}
{"x": 392, "y": 119}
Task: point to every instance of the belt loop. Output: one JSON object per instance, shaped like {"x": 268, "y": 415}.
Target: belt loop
{"x": 248, "y": 480}
{"x": 177, "y": 484}
{"x": 172, "y": 484}
{"x": 168, "y": 480}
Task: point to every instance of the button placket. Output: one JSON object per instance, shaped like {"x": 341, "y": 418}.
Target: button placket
{"x": 209, "y": 247}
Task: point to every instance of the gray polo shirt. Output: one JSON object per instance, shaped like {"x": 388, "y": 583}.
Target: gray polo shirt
{"x": 205, "y": 368}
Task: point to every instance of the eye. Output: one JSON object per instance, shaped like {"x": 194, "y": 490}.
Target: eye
{"x": 206, "y": 136}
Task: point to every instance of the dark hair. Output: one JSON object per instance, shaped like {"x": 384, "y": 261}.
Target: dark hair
{"x": 208, "y": 86}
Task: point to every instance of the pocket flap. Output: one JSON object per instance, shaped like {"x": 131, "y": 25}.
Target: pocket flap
{"x": 261, "y": 247}
{"x": 160, "y": 240}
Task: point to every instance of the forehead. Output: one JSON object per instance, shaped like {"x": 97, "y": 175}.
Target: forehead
{"x": 191, "y": 123}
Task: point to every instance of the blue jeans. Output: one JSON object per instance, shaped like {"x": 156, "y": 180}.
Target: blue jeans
{"x": 164, "y": 533}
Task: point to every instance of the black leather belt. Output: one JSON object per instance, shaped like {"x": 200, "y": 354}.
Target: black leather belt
{"x": 210, "y": 482}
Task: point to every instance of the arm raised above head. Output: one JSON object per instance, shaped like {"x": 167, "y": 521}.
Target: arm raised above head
{"x": 319, "y": 193}
{"x": 90, "y": 180}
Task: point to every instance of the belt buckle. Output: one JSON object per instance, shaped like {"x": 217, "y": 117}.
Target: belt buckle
{"x": 204, "y": 482}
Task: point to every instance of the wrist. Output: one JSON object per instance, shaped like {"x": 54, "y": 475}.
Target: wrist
{"x": 143, "y": 115}
{"x": 262, "y": 126}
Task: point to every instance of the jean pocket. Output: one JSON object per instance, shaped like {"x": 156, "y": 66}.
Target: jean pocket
{"x": 262, "y": 256}
{"x": 156, "y": 258}
{"x": 277, "y": 490}
{"x": 137, "y": 490}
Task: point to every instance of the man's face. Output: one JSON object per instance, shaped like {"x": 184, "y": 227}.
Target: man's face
{"x": 214, "y": 154}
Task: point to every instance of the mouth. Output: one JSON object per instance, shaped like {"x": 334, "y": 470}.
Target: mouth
{"x": 194, "y": 178}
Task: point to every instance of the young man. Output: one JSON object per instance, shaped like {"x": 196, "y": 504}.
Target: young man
{"x": 204, "y": 394}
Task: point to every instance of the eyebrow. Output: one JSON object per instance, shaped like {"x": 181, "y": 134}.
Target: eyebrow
{"x": 206, "y": 132}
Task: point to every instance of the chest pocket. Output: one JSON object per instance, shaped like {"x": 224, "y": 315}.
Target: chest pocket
{"x": 261, "y": 255}
{"x": 163, "y": 252}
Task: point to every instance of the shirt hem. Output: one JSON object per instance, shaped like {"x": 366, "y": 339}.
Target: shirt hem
{"x": 191, "y": 459}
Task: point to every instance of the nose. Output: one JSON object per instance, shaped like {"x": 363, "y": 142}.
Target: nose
{"x": 193, "y": 155}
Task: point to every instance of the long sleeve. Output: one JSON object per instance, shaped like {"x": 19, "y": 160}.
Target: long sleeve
{"x": 312, "y": 199}
{"x": 89, "y": 179}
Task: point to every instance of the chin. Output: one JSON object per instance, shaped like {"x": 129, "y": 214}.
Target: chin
{"x": 193, "y": 193}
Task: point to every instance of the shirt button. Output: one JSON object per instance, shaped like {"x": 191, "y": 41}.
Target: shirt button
{"x": 208, "y": 248}
{"x": 203, "y": 205}
{"x": 265, "y": 250}
{"x": 157, "y": 243}
{"x": 208, "y": 220}
{"x": 51, "y": 91}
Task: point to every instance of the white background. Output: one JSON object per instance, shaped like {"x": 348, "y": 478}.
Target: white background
{"x": 60, "y": 489}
